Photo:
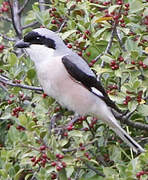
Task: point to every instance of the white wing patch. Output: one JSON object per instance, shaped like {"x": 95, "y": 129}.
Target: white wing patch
{"x": 96, "y": 91}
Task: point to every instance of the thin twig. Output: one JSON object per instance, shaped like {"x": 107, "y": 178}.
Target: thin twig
{"x": 136, "y": 125}
{"x": 23, "y": 6}
{"x": 8, "y": 82}
{"x": 119, "y": 39}
{"x": 95, "y": 170}
{"x": 62, "y": 25}
{"x": 7, "y": 38}
{"x": 77, "y": 174}
{"x": 5, "y": 19}
{"x": 14, "y": 7}
{"x": 30, "y": 25}
{"x": 41, "y": 5}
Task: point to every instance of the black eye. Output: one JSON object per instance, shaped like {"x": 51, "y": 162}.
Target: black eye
{"x": 35, "y": 38}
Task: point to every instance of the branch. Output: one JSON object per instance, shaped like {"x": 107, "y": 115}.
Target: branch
{"x": 30, "y": 25}
{"x": 119, "y": 39}
{"x": 41, "y": 5}
{"x": 23, "y": 6}
{"x": 14, "y": 8}
{"x": 62, "y": 25}
{"x": 136, "y": 125}
{"x": 7, "y": 38}
{"x": 125, "y": 120}
{"x": 95, "y": 170}
{"x": 5, "y": 19}
{"x": 8, "y": 82}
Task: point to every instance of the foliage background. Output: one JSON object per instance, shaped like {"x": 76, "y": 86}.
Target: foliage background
{"x": 37, "y": 138}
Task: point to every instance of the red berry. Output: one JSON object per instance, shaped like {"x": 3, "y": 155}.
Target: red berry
{"x": 53, "y": 21}
{"x": 90, "y": 64}
{"x": 121, "y": 20}
{"x": 82, "y": 148}
{"x": 87, "y": 32}
{"x": 121, "y": 59}
{"x": 119, "y": 2}
{"x": 44, "y": 95}
{"x": 5, "y": 9}
{"x": 53, "y": 164}
{"x": 33, "y": 159}
{"x": 69, "y": 45}
{"x": 140, "y": 63}
{"x": 113, "y": 62}
{"x": 5, "y": 3}
{"x": 65, "y": 134}
{"x": 145, "y": 66}
{"x": 86, "y": 154}
{"x": 70, "y": 127}
{"x": 125, "y": 102}
{"x": 128, "y": 98}
{"x": 88, "y": 53}
{"x": 1, "y": 47}
{"x": 42, "y": 148}
{"x": 57, "y": 109}
{"x": 58, "y": 168}
{"x": 53, "y": 176}
{"x": 84, "y": 36}
{"x": 81, "y": 144}
{"x": 133, "y": 62}
{"x": 122, "y": 25}
{"x": 125, "y": 13}
{"x": 80, "y": 53}
{"x": 44, "y": 156}
{"x": 10, "y": 102}
{"x": 61, "y": 156}
{"x": 53, "y": 9}
{"x": 127, "y": 5}
{"x": 64, "y": 164}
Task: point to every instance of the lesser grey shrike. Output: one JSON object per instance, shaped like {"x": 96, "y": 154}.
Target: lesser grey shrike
{"x": 66, "y": 77}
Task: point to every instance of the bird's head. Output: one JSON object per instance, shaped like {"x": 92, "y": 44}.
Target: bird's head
{"x": 41, "y": 43}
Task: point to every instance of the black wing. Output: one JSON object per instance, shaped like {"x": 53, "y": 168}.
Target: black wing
{"x": 90, "y": 82}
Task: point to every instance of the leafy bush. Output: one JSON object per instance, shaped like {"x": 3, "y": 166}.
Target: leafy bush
{"x": 36, "y": 139}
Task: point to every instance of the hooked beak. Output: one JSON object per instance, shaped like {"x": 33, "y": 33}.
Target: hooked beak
{"x": 22, "y": 44}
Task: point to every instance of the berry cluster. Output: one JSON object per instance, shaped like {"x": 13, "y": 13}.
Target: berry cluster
{"x": 20, "y": 128}
{"x": 15, "y": 111}
{"x": 43, "y": 159}
{"x": 129, "y": 98}
{"x": 4, "y": 7}
{"x": 139, "y": 64}
{"x": 141, "y": 173}
{"x": 111, "y": 89}
{"x": 114, "y": 65}
{"x": 1, "y": 48}
{"x": 57, "y": 20}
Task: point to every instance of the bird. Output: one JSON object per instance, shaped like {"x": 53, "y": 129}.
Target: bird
{"x": 67, "y": 77}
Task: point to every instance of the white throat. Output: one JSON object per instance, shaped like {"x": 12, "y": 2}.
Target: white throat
{"x": 39, "y": 53}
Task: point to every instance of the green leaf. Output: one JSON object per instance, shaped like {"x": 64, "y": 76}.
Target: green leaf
{"x": 112, "y": 8}
{"x": 110, "y": 173}
{"x": 132, "y": 105}
{"x": 136, "y": 84}
{"x": 31, "y": 73}
{"x": 23, "y": 120}
{"x": 115, "y": 153}
{"x": 66, "y": 34}
{"x": 99, "y": 32}
{"x": 136, "y": 6}
{"x": 143, "y": 109}
{"x": 69, "y": 170}
{"x": 62, "y": 174}
{"x": 12, "y": 59}
{"x": 75, "y": 133}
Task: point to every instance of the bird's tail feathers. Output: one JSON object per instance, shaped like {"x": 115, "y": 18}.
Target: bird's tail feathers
{"x": 125, "y": 136}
